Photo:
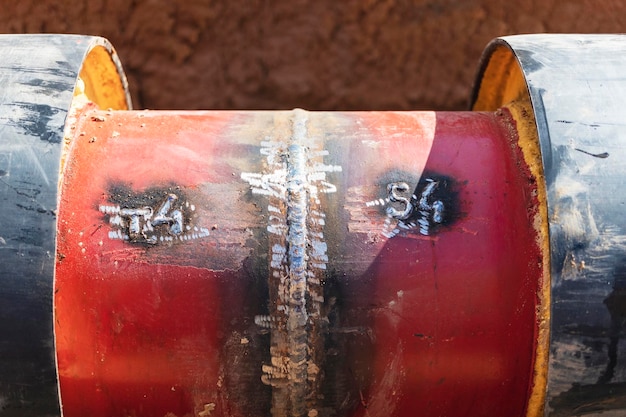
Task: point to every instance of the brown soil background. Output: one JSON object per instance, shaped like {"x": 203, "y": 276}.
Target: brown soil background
{"x": 318, "y": 55}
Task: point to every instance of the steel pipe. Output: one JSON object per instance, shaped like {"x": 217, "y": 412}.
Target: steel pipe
{"x": 295, "y": 263}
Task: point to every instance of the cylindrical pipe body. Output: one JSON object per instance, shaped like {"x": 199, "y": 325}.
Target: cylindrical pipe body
{"x": 296, "y": 263}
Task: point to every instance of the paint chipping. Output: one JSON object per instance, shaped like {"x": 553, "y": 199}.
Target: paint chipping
{"x": 208, "y": 409}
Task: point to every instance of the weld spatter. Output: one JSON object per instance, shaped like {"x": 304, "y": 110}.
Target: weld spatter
{"x": 155, "y": 216}
{"x": 432, "y": 204}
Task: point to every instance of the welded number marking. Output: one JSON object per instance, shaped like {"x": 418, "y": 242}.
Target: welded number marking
{"x": 422, "y": 210}
{"x": 152, "y": 225}
{"x": 396, "y": 191}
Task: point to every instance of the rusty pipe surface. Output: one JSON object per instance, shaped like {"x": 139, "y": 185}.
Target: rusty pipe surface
{"x": 295, "y": 263}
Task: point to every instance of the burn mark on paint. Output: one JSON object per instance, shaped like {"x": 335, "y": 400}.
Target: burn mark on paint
{"x": 433, "y": 203}
{"x": 155, "y": 216}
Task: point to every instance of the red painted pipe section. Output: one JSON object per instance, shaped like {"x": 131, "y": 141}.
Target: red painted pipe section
{"x": 181, "y": 237}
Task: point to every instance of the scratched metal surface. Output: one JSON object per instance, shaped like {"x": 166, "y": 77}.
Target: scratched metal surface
{"x": 37, "y": 78}
{"x": 577, "y": 85}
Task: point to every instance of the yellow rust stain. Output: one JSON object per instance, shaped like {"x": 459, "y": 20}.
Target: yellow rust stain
{"x": 503, "y": 85}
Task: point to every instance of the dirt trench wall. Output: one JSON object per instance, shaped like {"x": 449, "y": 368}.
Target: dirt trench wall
{"x": 324, "y": 54}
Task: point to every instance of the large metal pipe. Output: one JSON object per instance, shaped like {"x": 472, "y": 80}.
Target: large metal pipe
{"x": 296, "y": 263}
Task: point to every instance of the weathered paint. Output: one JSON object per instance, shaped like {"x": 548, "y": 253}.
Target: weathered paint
{"x": 353, "y": 264}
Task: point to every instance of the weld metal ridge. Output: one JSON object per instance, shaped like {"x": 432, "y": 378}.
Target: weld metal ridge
{"x": 294, "y": 179}
{"x": 297, "y": 237}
